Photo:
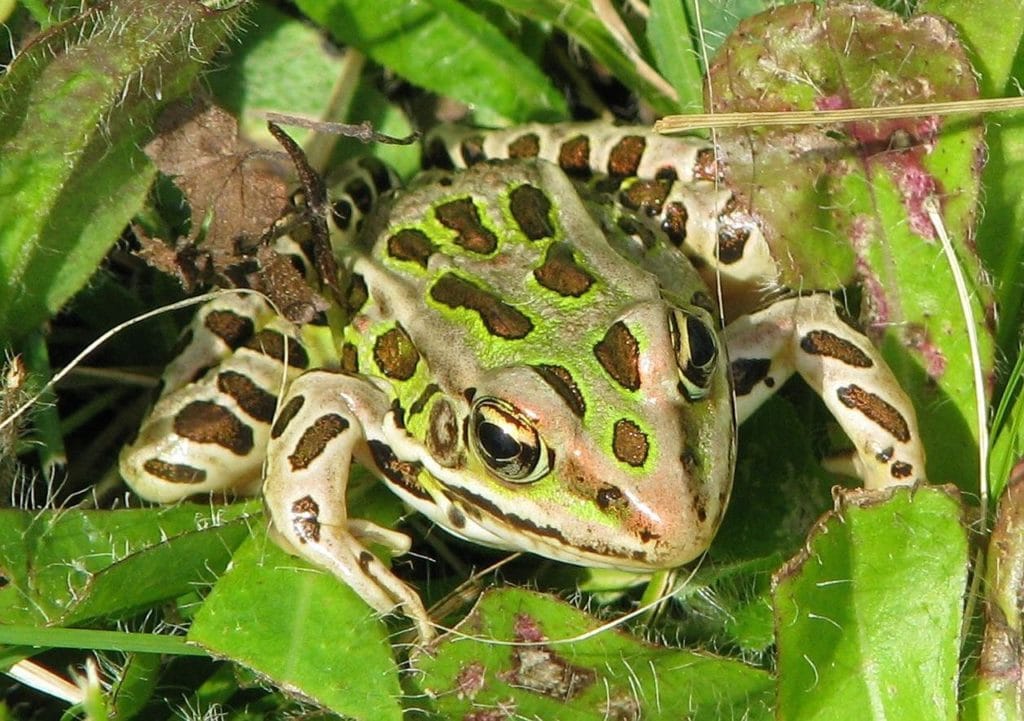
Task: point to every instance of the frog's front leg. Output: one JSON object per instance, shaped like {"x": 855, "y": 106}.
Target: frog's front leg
{"x": 312, "y": 443}
{"x": 806, "y": 335}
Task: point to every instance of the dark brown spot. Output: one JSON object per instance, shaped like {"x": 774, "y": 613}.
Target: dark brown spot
{"x": 561, "y": 273}
{"x": 174, "y": 472}
{"x": 885, "y": 455}
{"x": 230, "y": 327}
{"x": 691, "y": 461}
{"x": 624, "y": 159}
{"x": 608, "y": 497}
{"x": 825, "y": 343}
{"x": 705, "y": 167}
{"x": 398, "y": 413}
{"x": 305, "y": 519}
{"x": 366, "y": 560}
{"x": 395, "y": 354}
{"x": 290, "y": 410}
{"x": 500, "y": 318}
{"x": 531, "y": 209}
{"x": 356, "y": 295}
{"x": 420, "y": 403}
{"x": 252, "y": 399}
{"x": 673, "y": 222}
{"x": 733, "y": 232}
{"x": 341, "y": 214}
{"x": 472, "y": 150}
{"x": 463, "y": 217}
{"x": 349, "y": 358}
{"x": 561, "y": 380}
{"x": 645, "y": 196}
{"x": 306, "y": 506}
{"x": 574, "y": 157}
{"x": 456, "y": 518}
{"x": 637, "y": 230}
{"x": 700, "y": 508}
{"x": 443, "y": 434}
{"x": 207, "y": 422}
{"x": 271, "y": 343}
{"x": 435, "y": 155}
{"x": 361, "y": 193}
{"x": 411, "y": 244}
{"x": 619, "y": 354}
{"x": 403, "y": 474}
{"x": 525, "y": 146}
{"x": 748, "y": 372}
{"x": 630, "y": 443}
{"x": 315, "y": 439}
{"x": 875, "y": 409}
{"x": 900, "y": 469}
{"x": 666, "y": 172}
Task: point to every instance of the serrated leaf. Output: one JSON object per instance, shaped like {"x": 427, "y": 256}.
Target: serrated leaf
{"x": 75, "y": 108}
{"x": 869, "y": 616}
{"x": 67, "y": 566}
{"x": 507, "y": 654}
{"x": 302, "y": 628}
{"x": 443, "y": 46}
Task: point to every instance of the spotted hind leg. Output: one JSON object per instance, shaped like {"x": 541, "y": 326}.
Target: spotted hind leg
{"x": 208, "y": 431}
{"x": 805, "y": 334}
{"x": 312, "y": 444}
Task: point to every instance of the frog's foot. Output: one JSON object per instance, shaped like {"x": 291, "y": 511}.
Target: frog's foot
{"x": 806, "y": 335}
{"x": 311, "y": 447}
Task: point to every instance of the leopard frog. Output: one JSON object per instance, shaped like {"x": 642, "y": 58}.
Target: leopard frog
{"x": 527, "y": 354}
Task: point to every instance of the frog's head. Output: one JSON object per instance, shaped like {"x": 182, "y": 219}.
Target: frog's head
{"x": 621, "y": 455}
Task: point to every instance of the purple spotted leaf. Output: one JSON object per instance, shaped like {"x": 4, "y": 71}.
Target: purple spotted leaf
{"x": 511, "y": 653}
{"x": 846, "y": 203}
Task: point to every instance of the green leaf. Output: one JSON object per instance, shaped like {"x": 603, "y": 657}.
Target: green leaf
{"x": 76, "y": 107}
{"x": 678, "y": 59}
{"x": 443, "y": 46}
{"x": 869, "y": 616}
{"x": 579, "y": 21}
{"x": 302, "y": 628}
{"x": 526, "y": 653}
{"x": 69, "y": 566}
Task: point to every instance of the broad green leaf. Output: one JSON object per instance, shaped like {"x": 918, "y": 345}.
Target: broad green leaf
{"x": 519, "y": 650}
{"x": 76, "y": 106}
{"x": 302, "y": 628}
{"x": 443, "y": 46}
{"x": 67, "y": 566}
{"x": 869, "y": 616}
{"x": 845, "y": 202}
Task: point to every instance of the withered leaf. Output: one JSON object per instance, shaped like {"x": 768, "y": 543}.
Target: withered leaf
{"x": 234, "y": 191}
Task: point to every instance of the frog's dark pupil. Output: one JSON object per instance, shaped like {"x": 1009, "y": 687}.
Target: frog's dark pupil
{"x": 702, "y": 345}
{"x": 498, "y": 444}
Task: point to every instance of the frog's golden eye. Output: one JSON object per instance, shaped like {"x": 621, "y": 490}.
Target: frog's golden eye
{"x": 696, "y": 345}
{"x": 507, "y": 442}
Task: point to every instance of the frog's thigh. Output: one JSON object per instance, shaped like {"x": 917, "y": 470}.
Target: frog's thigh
{"x": 312, "y": 444}
{"x": 806, "y": 334}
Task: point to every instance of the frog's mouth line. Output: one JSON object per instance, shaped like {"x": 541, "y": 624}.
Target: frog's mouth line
{"x": 550, "y": 541}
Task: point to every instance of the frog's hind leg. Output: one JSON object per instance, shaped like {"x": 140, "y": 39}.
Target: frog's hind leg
{"x": 208, "y": 431}
{"x": 805, "y": 334}
{"x": 312, "y": 444}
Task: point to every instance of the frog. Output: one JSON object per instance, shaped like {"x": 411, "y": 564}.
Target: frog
{"x": 544, "y": 344}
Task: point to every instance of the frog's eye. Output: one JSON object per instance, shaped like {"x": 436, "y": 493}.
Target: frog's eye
{"x": 507, "y": 442}
{"x": 696, "y": 345}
